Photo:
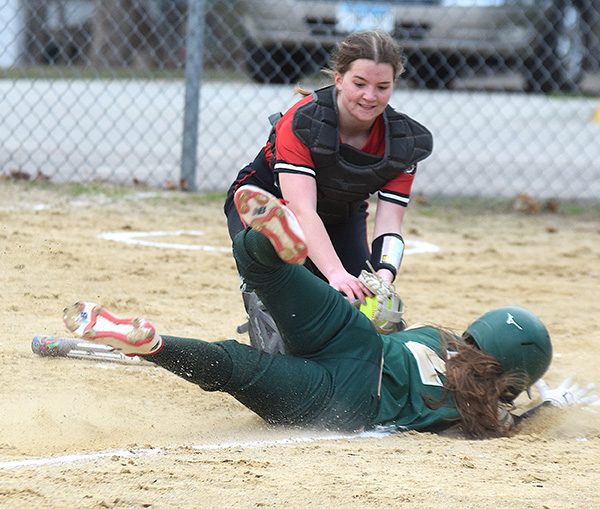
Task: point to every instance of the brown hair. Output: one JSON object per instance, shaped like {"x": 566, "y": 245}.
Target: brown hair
{"x": 375, "y": 45}
{"x": 478, "y": 386}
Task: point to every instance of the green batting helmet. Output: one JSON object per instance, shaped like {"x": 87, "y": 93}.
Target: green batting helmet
{"x": 517, "y": 339}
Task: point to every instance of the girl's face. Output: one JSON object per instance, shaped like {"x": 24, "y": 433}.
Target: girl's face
{"x": 364, "y": 90}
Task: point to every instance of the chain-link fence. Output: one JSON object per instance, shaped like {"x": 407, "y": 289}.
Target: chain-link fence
{"x": 98, "y": 90}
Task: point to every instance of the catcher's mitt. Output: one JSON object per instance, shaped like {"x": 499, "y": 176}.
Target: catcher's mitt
{"x": 385, "y": 308}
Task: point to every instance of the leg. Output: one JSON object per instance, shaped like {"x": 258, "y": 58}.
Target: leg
{"x": 351, "y": 243}
{"x": 260, "y": 326}
{"x": 307, "y": 311}
{"x": 279, "y": 388}
{"x": 263, "y": 211}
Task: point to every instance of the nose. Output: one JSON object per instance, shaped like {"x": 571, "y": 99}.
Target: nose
{"x": 369, "y": 94}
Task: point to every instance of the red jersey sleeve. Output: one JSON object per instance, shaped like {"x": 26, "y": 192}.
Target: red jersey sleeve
{"x": 398, "y": 189}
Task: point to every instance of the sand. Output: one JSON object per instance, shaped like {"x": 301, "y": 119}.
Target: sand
{"x": 82, "y": 433}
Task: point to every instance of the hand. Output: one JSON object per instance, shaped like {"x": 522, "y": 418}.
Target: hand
{"x": 386, "y": 275}
{"x": 389, "y": 309}
{"x": 566, "y": 394}
{"x": 376, "y": 284}
{"x": 350, "y": 286}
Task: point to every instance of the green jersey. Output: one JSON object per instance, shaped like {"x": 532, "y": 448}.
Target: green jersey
{"x": 412, "y": 392}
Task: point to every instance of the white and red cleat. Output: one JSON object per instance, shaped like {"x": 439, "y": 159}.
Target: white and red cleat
{"x": 260, "y": 210}
{"x": 132, "y": 336}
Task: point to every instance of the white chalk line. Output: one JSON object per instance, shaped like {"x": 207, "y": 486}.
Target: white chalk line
{"x": 141, "y": 239}
{"x": 137, "y": 453}
{"x": 257, "y": 444}
{"x": 74, "y": 458}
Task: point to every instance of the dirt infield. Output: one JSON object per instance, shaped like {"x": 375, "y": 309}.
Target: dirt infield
{"x": 153, "y": 440}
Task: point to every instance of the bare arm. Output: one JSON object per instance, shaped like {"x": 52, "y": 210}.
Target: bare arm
{"x": 300, "y": 192}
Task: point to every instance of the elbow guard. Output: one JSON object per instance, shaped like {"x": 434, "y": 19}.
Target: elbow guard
{"x": 387, "y": 251}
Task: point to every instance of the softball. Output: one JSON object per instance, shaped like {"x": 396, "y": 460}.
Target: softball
{"x": 369, "y": 307}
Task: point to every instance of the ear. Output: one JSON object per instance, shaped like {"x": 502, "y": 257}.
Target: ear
{"x": 337, "y": 79}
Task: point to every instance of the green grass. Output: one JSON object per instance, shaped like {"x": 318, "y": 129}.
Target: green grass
{"x": 476, "y": 205}
{"x": 435, "y": 206}
{"x": 114, "y": 191}
{"x": 87, "y": 73}
{"x": 79, "y": 190}
{"x": 97, "y": 73}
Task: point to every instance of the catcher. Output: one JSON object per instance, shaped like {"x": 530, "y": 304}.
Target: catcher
{"x": 340, "y": 373}
{"x": 325, "y": 156}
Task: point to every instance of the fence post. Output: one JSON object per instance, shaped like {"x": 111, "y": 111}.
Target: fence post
{"x": 193, "y": 79}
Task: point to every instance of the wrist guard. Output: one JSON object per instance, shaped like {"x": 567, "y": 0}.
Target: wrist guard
{"x": 387, "y": 251}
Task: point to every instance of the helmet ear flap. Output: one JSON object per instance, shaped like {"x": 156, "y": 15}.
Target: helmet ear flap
{"x": 518, "y": 340}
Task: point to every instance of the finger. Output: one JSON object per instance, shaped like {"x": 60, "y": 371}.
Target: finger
{"x": 350, "y": 294}
{"x": 362, "y": 296}
{"x": 360, "y": 291}
{"x": 364, "y": 290}
{"x": 565, "y": 384}
{"x": 585, "y": 391}
{"x": 542, "y": 387}
{"x": 589, "y": 400}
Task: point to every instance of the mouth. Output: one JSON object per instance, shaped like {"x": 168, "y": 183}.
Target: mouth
{"x": 367, "y": 108}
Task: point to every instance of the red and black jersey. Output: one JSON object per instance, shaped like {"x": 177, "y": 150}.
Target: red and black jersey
{"x": 292, "y": 156}
{"x": 305, "y": 140}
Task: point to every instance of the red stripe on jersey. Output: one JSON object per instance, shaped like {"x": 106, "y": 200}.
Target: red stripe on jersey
{"x": 402, "y": 184}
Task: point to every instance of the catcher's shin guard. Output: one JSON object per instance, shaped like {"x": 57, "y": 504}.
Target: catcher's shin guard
{"x": 261, "y": 327}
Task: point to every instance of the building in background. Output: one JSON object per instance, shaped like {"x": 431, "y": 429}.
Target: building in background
{"x": 111, "y": 33}
{"x": 12, "y": 33}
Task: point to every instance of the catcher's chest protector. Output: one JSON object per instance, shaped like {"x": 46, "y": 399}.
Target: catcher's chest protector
{"x": 347, "y": 176}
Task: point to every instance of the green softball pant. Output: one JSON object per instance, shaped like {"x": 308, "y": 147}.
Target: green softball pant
{"x": 329, "y": 377}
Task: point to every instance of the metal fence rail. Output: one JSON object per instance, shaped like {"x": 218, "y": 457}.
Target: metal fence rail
{"x": 177, "y": 95}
